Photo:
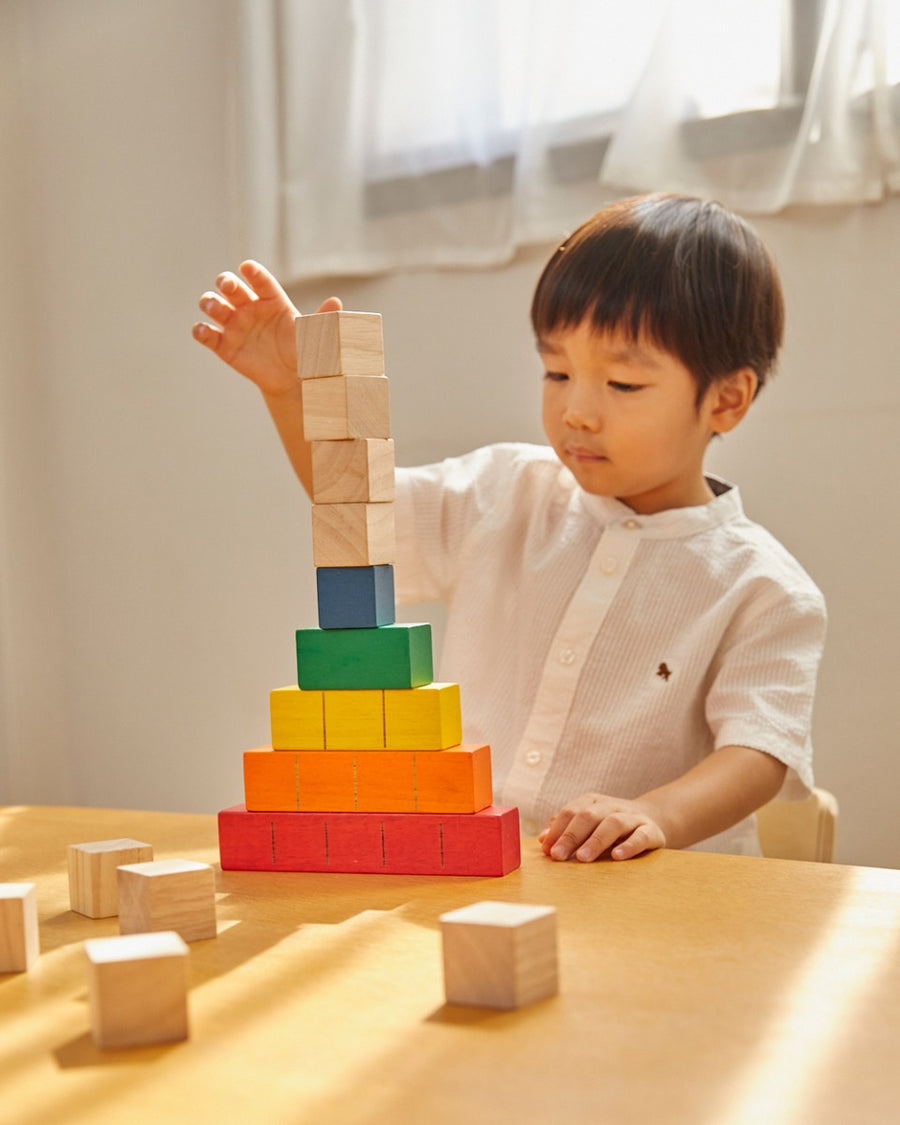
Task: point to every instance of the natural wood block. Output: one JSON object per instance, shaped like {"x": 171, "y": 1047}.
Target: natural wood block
{"x": 339, "y": 343}
{"x": 392, "y": 656}
{"x": 423, "y": 718}
{"x": 355, "y": 597}
{"x": 499, "y": 954}
{"x": 353, "y": 534}
{"x": 93, "y": 884}
{"x": 19, "y": 938}
{"x": 297, "y": 719}
{"x": 137, "y": 987}
{"x": 355, "y": 471}
{"x": 346, "y": 406}
{"x": 485, "y": 843}
{"x": 168, "y": 894}
{"x": 354, "y": 720}
{"x": 457, "y": 780}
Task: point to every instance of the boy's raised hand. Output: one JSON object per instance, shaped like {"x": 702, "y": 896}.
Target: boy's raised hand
{"x": 253, "y": 327}
{"x": 593, "y": 825}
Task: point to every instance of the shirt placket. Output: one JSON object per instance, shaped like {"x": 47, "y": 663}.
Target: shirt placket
{"x": 565, "y": 662}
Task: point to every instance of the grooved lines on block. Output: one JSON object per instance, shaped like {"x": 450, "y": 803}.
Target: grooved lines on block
{"x": 453, "y": 780}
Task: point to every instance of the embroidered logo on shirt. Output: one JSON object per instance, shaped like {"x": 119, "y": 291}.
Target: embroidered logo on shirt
{"x": 664, "y": 671}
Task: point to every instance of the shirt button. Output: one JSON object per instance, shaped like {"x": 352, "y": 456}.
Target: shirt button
{"x": 533, "y": 757}
{"x": 567, "y": 656}
{"x": 632, "y": 525}
{"x": 609, "y": 565}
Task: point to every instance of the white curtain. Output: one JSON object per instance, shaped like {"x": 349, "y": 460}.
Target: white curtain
{"x": 389, "y": 134}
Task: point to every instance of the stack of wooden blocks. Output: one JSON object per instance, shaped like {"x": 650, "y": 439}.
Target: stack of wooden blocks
{"x": 366, "y": 770}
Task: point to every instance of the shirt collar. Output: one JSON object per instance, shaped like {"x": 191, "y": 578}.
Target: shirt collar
{"x": 673, "y": 523}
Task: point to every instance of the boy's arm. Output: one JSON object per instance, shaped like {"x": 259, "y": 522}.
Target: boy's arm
{"x": 718, "y": 792}
{"x": 253, "y": 331}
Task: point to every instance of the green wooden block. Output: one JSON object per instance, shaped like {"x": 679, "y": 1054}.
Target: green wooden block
{"x": 390, "y": 656}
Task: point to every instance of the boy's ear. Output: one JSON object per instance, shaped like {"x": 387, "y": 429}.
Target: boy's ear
{"x": 730, "y": 398}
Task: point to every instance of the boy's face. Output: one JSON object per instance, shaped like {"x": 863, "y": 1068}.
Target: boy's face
{"x": 623, "y": 417}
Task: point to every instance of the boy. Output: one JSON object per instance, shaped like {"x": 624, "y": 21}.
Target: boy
{"x": 641, "y": 657}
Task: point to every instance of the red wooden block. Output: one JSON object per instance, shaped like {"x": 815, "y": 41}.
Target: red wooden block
{"x": 483, "y": 843}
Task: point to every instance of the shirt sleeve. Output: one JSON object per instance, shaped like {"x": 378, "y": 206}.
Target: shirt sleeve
{"x": 764, "y": 678}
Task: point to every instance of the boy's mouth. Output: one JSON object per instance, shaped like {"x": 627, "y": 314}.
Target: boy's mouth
{"x": 581, "y": 453}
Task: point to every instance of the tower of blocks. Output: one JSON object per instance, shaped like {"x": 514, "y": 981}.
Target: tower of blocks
{"x": 366, "y": 771}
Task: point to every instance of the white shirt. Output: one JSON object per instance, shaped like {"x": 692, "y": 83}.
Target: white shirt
{"x": 601, "y": 650}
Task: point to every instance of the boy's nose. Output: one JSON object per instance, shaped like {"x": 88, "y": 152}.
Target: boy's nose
{"x": 583, "y": 415}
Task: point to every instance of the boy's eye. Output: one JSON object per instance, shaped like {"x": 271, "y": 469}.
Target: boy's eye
{"x": 555, "y": 376}
{"x": 627, "y": 388}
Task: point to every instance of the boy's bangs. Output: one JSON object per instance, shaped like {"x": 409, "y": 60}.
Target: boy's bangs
{"x": 602, "y": 280}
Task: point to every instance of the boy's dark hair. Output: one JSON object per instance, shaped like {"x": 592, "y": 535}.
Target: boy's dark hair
{"x": 683, "y": 273}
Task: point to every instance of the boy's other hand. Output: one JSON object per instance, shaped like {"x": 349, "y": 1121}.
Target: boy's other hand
{"x": 253, "y": 327}
{"x": 593, "y": 824}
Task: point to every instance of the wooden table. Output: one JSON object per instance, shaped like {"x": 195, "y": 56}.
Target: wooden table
{"x": 694, "y": 989}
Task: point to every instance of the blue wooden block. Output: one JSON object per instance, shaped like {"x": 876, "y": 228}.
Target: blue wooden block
{"x": 355, "y": 597}
{"x": 391, "y": 656}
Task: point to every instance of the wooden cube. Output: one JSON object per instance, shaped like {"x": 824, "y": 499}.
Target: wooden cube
{"x": 346, "y": 406}
{"x": 353, "y": 471}
{"x": 392, "y": 656}
{"x": 19, "y": 940}
{"x": 355, "y": 597}
{"x": 168, "y": 894}
{"x": 423, "y": 718}
{"x": 297, "y": 719}
{"x": 93, "y": 884}
{"x": 137, "y": 987}
{"x": 353, "y": 534}
{"x": 499, "y": 954}
{"x": 339, "y": 343}
{"x": 485, "y": 843}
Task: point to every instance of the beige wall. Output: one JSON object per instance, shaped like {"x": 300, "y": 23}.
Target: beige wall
{"x": 154, "y": 550}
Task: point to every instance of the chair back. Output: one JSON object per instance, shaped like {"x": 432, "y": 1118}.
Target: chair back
{"x": 799, "y": 829}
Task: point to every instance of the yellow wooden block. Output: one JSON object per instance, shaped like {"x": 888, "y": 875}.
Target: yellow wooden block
{"x": 357, "y": 470}
{"x": 423, "y": 718}
{"x": 339, "y": 343}
{"x": 297, "y": 719}
{"x": 354, "y": 720}
{"x": 353, "y": 534}
{"x": 346, "y": 406}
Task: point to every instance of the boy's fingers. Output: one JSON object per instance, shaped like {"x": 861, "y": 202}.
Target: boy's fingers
{"x": 233, "y": 289}
{"x": 215, "y": 308}
{"x": 207, "y": 335}
{"x": 261, "y": 282}
{"x": 330, "y": 304}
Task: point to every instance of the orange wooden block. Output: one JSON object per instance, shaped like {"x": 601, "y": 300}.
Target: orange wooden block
{"x": 457, "y": 780}
{"x": 307, "y": 780}
{"x": 454, "y": 780}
